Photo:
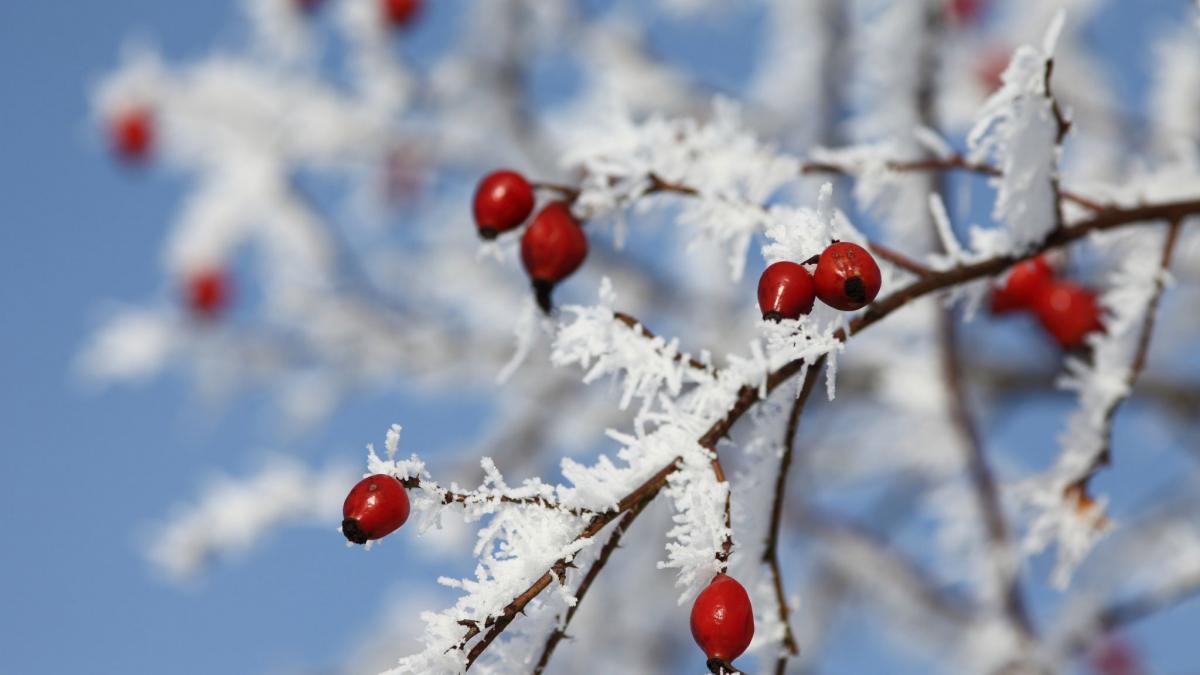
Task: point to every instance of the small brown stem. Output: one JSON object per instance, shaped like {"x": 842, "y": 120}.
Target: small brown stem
{"x": 588, "y": 579}
{"x": 449, "y": 497}
{"x": 634, "y": 323}
{"x": 771, "y": 551}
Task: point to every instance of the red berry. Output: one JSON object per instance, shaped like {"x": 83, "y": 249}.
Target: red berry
{"x": 847, "y": 277}
{"x": 503, "y": 201}
{"x": 1114, "y": 656}
{"x": 1068, "y": 312}
{"x": 722, "y": 619}
{"x": 376, "y": 506}
{"x": 552, "y": 247}
{"x": 989, "y": 70}
{"x": 964, "y": 11}
{"x": 785, "y": 291}
{"x": 1026, "y": 281}
{"x": 207, "y": 292}
{"x": 132, "y": 133}
{"x": 399, "y": 13}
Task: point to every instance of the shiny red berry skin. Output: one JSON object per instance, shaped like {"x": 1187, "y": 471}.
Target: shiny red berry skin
{"x": 1068, "y": 312}
{"x": 207, "y": 293}
{"x": 132, "y": 134}
{"x": 552, "y": 247}
{"x": 785, "y": 291}
{"x": 400, "y": 13}
{"x": 376, "y": 506}
{"x": 847, "y": 277}
{"x": 503, "y": 200}
{"x": 722, "y": 619}
{"x": 1025, "y": 283}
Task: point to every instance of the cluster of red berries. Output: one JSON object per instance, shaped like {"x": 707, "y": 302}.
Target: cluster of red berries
{"x": 376, "y": 506}
{"x": 395, "y": 13}
{"x": 846, "y": 278}
{"x": 552, "y": 247}
{"x": 1069, "y": 312}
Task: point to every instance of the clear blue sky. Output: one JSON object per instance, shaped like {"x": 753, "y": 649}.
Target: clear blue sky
{"x": 82, "y": 474}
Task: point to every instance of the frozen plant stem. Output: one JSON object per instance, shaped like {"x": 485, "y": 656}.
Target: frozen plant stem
{"x": 771, "y": 552}
{"x": 1104, "y": 458}
{"x": 593, "y": 572}
{"x": 983, "y": 483}
{"x": 748, "y": 396}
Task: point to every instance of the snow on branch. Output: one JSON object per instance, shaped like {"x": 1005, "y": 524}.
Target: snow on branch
{"x": 731, "y": 171}
{"x": 1021, "y": 128}
{"x": 234, "y": 514}
{"x": 1064, "y": 514}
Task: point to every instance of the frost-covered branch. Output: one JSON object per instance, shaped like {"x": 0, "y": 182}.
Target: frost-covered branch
{"x": 606, "y": 551}
{"x": 771, "y": 550}
{"x": 1001, "y": 554}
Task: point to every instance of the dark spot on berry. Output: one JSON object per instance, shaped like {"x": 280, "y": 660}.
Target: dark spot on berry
{"x": 856, "y": 290}
{"x": 353, "y": 532}
{"x": 542, "y": 289}
{"x": 772, "y": 316}
{"x": 488, "y": 233}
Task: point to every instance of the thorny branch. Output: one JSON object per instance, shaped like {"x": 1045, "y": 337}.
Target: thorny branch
{"x": 748, "y": 396}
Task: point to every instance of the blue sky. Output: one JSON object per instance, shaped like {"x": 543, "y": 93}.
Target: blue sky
{"x": 85, "y": 474}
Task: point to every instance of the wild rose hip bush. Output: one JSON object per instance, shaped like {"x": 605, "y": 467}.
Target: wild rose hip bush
{"x": 971, "y": 237}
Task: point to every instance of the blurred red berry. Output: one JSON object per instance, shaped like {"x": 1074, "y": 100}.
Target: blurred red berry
{"x": 503, "y": 200}
{"x": 132, "y": 133}
{"x": 376, "y": 506}
{"x": 990, "y": 67}
{"x": 1114, "y": 656}
{"x": 785, "y": 291}
{"x": 207, "y": 292}
{"x": 400, "y": 13}
{"x": 964, "y": 11}
{"x": 1026, "y": 281}
{"x": 552, "y": 247}
{"x": 722, "y": 619}
{"x": 1068, "y": 312}
{"x": 847, "y": 276}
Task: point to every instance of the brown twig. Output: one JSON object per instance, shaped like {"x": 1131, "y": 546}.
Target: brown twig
{"x": 982, "y": 481}
{"x": 643, "y": 493}
{"x": 1104, "y": 457}
{"x": 589, "y": 578}
{"x": 449, "y": 497}
{"x": 949, "y": 163}
{"x": 899, "y": 259}
{"x": 634, "y": 323}
{"x": 771, "y": 551}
